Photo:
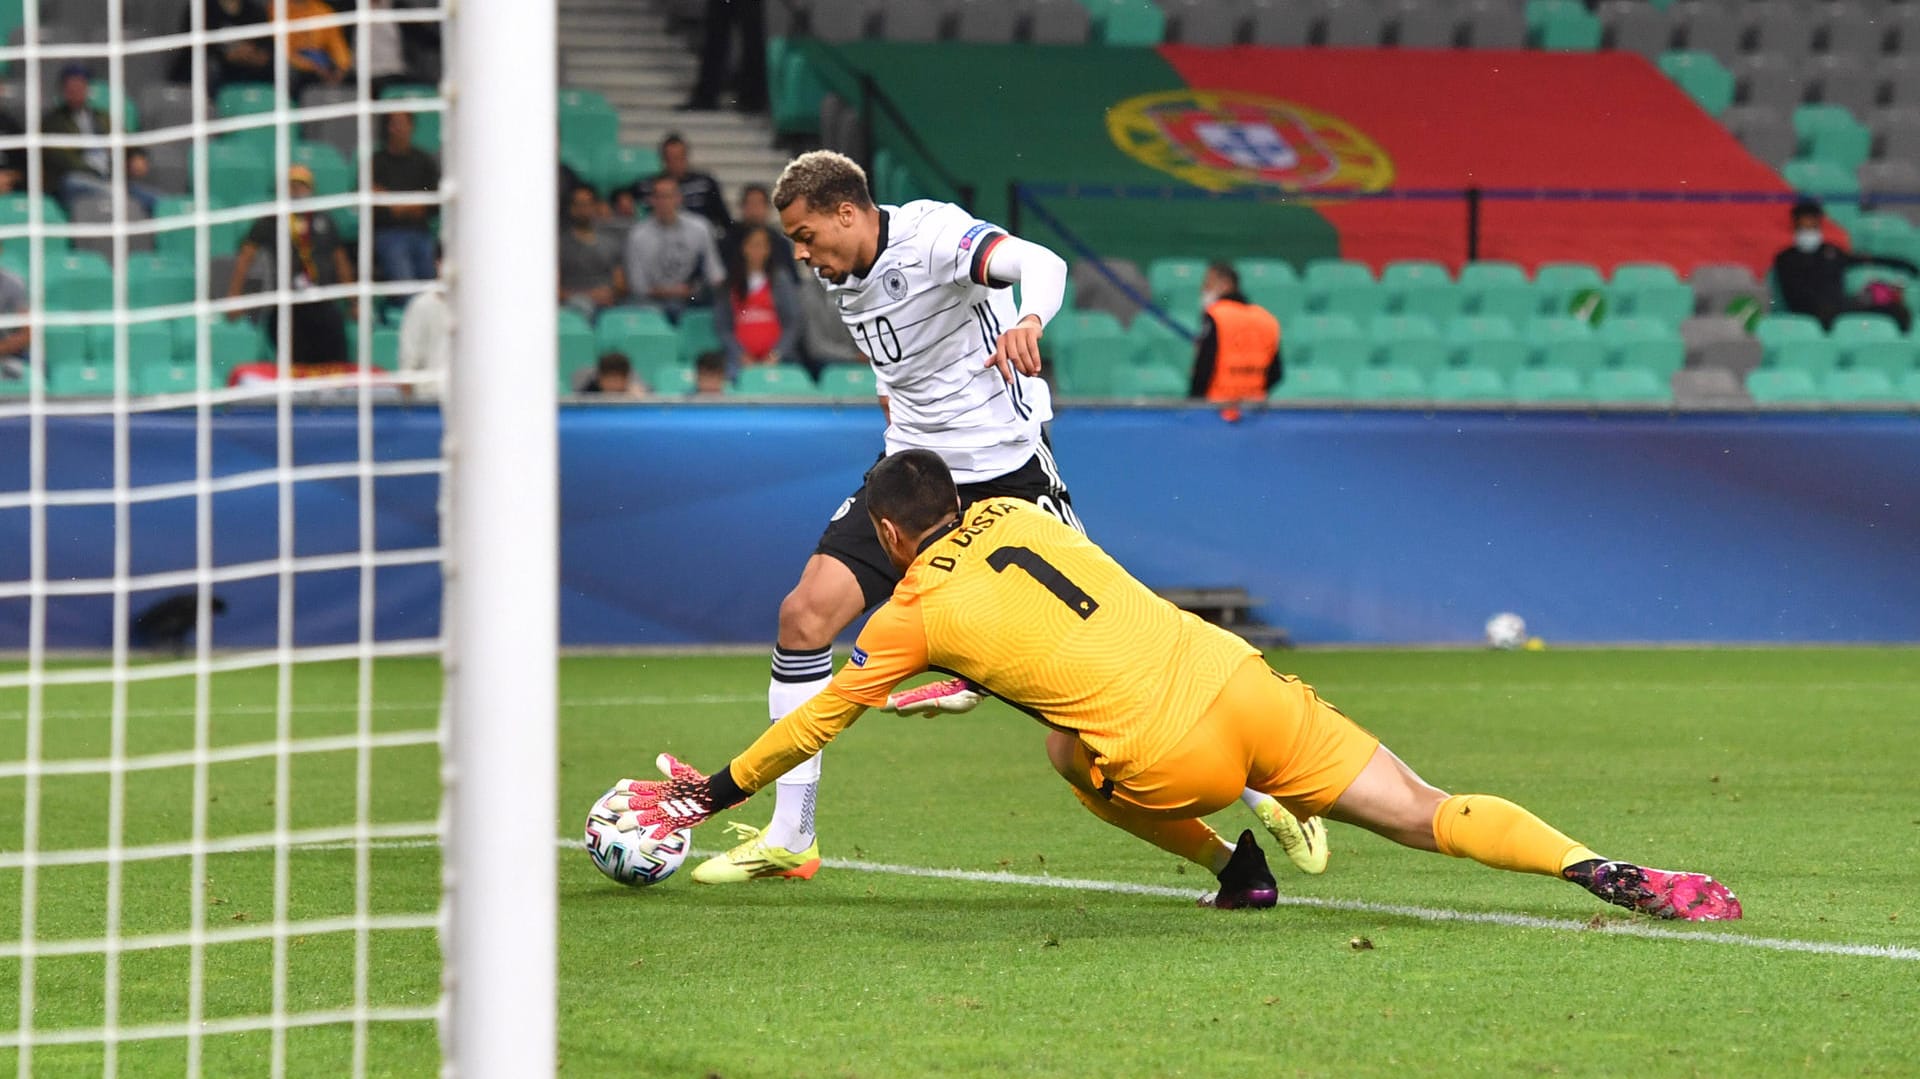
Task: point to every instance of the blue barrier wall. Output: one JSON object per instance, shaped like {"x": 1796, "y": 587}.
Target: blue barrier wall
{"x": 688, "y": 524}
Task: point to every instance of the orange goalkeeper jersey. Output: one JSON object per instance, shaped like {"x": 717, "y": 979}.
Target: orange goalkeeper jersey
{"x": 1024, "y": 606}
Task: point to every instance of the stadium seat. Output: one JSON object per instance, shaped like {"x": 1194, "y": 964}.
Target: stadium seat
{"x": 1706, "y": 81}
{"x": 15, "y": 209}
{"x": 616, "y": 166}
{"x": 1781, "y": 28}
{"x": 1495, "y": 24}
{"x": 1467, "y": 384}
{"x": 64, "y": 346}
{"x": 1641, "y": 344}
{"x": 1637, "y": 27}
{"x": 1893, "y": 357}
{"x": 672, "y": 380}
{"x": 1283, "y": 25}
{"x": 1339, "y": 287}
{"x": 1843, "y": 81}
{"x": 1325, "y": 341}
{"x": 1830, "y": 133}
{"x": 697, "y": 335}
{"x": 1417, "y": 287}
{"x": 231, "y": 344}
{"x": 1562, "y": 25}
{"x": 1387, "y": 384}
{"x": 1354, "y": 24}
{"x": 1858, "y": 387}
{"x": 1128, "y": 22}
{"x": 1203, "y": 22}
{"x": 1856, "y": 328}
{"x": 222, "y": 238}
{"x": 1487, "y": 341}
{"x": 1152, "y": 343}
{"x": 1717, "y": 285}
{"x": 1795, "y": 341}
{"x": 1175, "y": 283}
{"x": 99, "y": 96}
{"x": 1059, "y": 22}
{"x": 1153, "y": 382}
{"x": 853, "y": 380}
{"x": 1563, "y": 342}
{"x": 1084, "y": 364}
{"x": 1899, "y": 79}
{"x": 159, "y": 280}
{"x": 1547, "y": 385}
{"x": 981, "y": 21}
{"x": 1765, "y": 79}
{"x": 1713, "y": 387}
{"x": 244, "y": 99}
{"x": 1104, "y": 291}
{"x": 642, "y": 335}
{"x": 1561, "y": 285}
{"x": 576, "y": 348}
{"x": 1411, "y": 341}
{"x": 331, "y": 173}
{"x": 1274, "y": 285}
{"x": 1899, "y": 178}
{"x": 1423, "y": 25}
{"x": 1772, "y": 386}
{"x": 1909, "y": 386}
{"x": 915, "y": 20}
{"x": 80, "y": 380}
{"x": 776, "y": 380}
{"x": 1628, "y": 387}
{"x": 1886, "y": 234}
{"x": 1829, "y": 183}
{"x": 1708, "y": 27}
{"x": 797, "y": 91}
{"x": 238, "y": 173}
{"x": 1650, "y": 290}
{"x": 165, "y": 377}
{"x": 1499, "y": 288}
{"x": 79, "y": 281}
{"x": 1310, "y": 383}
{"x": 1765, "y": 131}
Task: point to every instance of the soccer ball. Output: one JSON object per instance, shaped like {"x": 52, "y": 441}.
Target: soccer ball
{"x": 1506, "y": 630}
{"x": 624, "y": 860}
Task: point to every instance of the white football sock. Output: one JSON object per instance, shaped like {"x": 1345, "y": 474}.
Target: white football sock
{"x": 1252, "y": 798}
{"x": 797, "y": 676}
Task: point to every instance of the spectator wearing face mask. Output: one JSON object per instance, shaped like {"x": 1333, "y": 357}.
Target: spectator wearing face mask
{"x": 1811, "y": 275}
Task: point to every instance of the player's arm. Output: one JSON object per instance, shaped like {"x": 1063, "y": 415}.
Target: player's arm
{"x": 1042, "y": 277}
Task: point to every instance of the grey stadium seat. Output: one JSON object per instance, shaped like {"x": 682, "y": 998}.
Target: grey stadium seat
{"x": 1494, "y": 25}
{"x": 840, "y": 20}
{"x": 166, "y": 105}
{"x": 1766, "y": 79}
{"x": 1283, "y": 23}
{"x": 1844, "y": 80}
{"x": 1901, "y": 23}
{"x": 1852, "y": 29}
{"x": 97, "y": 210}
{"x": 1709, "y": 27}
{"x": 340, "y": 132}
{"x": 1421, "y": 25}
{"x": 1354, "y": 24}
{"x": 1094, "y": 291}
{"x": 1766, "y": 132}
{"x": 1636, "y": 26}
{"x": 782, "y": 20}
{"x": 1778, "y": 27}
{"x": 1709, "y": 387}
{"x": 1204, "y": 22}
{"x": 912, "y": 20}
{"x": 169, "y": 165}
{"x": 1715, "y": 341}
{"x": 1717, "y": 284}
{"x": 987, "y": 22}
{"x": 1899, "y": 79}
{"x": 1058, "y": 22}
{"x": 1893, "y": 178}
{"x": 1896, "y": 134}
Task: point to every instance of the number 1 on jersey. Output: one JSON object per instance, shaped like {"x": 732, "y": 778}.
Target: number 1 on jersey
{"x": 1052, "y": 579}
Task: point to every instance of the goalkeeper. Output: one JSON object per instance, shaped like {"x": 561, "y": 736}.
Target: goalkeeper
{"x": 1158, "y": 718}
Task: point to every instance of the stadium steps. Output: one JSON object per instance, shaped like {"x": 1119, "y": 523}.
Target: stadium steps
{"x": 624, "y": 50}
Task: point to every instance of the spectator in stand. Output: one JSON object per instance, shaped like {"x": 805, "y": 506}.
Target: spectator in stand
{"x": 613, "y": 376}
{"x": 749, "y": 82}
{"x": 824, "y": 338}
{"x": 317, "y": 331}
{"x": 320, "y": 54}
{"x": 249, "y": 60}
{"x": 403, "y": 235}
{"x": 1812, "y": 274}
{"x": 426, "y": 329}
{"x": 1237, "y": 357}
{"x": 758, "y": 314}
{"x": 385, "y": 52}
{"x": 672, "y": 263}
{"x": 14, "y": 342}
{"x": 756, "y": 215}
{"x": 710, "y": 375}
{"x": 73, "y": 173}
{"x": 699, "y": 193}
{"x": 591, "y": 276}
{"x": 13, "y": 161}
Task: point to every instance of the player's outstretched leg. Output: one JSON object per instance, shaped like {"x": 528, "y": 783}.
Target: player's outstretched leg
{"x": 1304, "y": 841}
{"x": 1390, "y": 799}
{"x": 826, "y": 601}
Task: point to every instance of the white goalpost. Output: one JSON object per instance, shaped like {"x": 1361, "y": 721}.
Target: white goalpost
{"x": 277, "y": 648}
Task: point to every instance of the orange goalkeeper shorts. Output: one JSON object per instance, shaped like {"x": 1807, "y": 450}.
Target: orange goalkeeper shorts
{"x": 1265, "y": 730}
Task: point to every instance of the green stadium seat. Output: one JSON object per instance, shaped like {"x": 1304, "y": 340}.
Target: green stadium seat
{"x": 849, "y": 380}
{"x": 1387, "y": 384}
{"x": 1562, "y": 26}
{"x": 1175, "y": 284}
{"x": 586, "y": 128}
{"x": 1858, "y": 386}
{"x": 1152, "y": 343}
{"x": 1564, "y": 342}
{"x": 22, "y": 386}
{"x": 1909, "y": 386}
{"x": 163, "y": 378}
{"x": 238, "y": 173}
{"x": 567, "y": 318}
{"x": 671, "y": 380}
{"x": 79, "y": 281}
{"x": 1796, "y": 341}
{"x": 64, "y": 346}
{"x": 1325, "y": 341}
{"x": 1560, "y": 284}
{"x": 1892, "y": 357}
{"x": 331, "y": 173}
{"x": 1835, "y": 186}
{"x": 1417, "y": 287}
{"x": 1127, "y": 22}
{"x": 1337, "y": 287}
{"x": 149, "y": 344}
{"x": 1651, "y": 290}
{"x": 615, "y": 167}
{"x": 222, "y": 239}
{"x": 1499, "y": 288}
{"x": 1274, "y": 285}
{"x": 80, "y": 380}
{"x": 1884, "y": 234}
{"x": 574, "y": 97}
{"x": 1407, "y": 341}
{"x": 1646, "y": 344}
{"x": 576, "y": 350}
{"x": 619, "y": 322}
{"x": 776, "y": 380}
{"x": 14, "y": 212}
{"x": 244, "y": 99}
{"x": 1467, "y": 384}
{"x": 697, "y": 335}
{"x": 1309, "y": 384}
{"x": 1157, "y": 382}
{"x": 1829, "y": 133}
{"x": 797, "y": 92}
{"x": 1702, "y": 76}
{"x": 386, "y": 349}
{"x": 1629, "y": 386}
{"x": 1488, "y": 341}
{"x": 1853, "y": 329}
{"x": 100, "y": 96}
{"x": 1547, "y": 385}
{"x": 1773, "y": 386}
{"x": 159, "y": 280}
{"x": 231, "y": 344}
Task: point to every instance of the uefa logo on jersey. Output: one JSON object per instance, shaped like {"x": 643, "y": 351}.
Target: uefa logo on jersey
{"x": 1222, "y": 140}
{"x": 895, "y": 283}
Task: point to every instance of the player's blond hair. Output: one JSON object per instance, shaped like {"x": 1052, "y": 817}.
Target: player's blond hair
{"x": 825, "y": 179}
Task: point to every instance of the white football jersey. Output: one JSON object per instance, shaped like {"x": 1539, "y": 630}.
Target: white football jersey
{"x": 926, "y": 318}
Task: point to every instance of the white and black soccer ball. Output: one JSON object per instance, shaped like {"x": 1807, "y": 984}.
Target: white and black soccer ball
{"x": 623, "y": 857}
{"x": 1506, "y": 631}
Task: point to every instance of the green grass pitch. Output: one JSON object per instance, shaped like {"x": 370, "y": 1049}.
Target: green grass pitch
{"x": 1789, "y": 774}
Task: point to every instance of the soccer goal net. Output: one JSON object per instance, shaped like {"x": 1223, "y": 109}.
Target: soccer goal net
{"x": 276, "y": 642}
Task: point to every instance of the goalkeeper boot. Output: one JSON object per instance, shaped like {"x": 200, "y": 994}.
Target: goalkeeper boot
{"x": 1692, "y": 897}
{"x": 1304, "y": 841}
{"x": 753, "y": 858}
{"x": 1245, "y": 881}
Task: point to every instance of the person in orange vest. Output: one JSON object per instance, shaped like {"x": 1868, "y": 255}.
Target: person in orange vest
{"x": 1237, "y": 357}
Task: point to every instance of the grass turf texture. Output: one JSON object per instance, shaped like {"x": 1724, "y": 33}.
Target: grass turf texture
{"x": 1787, "y": 774}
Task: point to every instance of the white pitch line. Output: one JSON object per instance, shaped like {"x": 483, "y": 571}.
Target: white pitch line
{"x": 1637, "y": 929}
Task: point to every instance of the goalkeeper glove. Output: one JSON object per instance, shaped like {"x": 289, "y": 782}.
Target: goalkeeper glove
{"x": 952, "y": 695}
{"x": 685, "y": 798}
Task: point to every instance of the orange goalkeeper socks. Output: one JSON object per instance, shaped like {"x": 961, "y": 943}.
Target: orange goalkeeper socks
{"x": 1495, "y": 832}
